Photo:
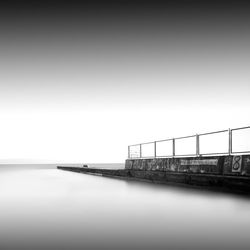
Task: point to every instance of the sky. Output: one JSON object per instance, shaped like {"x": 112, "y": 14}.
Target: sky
{"x": 81, "y": 82}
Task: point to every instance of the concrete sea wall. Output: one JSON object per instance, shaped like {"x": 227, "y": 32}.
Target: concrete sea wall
{"x": 236, "y": 165}
{"x": 230, "y": 173}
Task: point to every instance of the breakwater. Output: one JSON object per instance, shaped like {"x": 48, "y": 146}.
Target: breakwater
{"x": 230, "y": 173}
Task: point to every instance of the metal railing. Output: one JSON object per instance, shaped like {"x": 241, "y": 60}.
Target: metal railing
{"x": 222, "y": 142}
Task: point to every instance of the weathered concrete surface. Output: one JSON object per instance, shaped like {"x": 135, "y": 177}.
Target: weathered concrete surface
{"x": 231, "y": 173}
{"x": 238, "y": 165}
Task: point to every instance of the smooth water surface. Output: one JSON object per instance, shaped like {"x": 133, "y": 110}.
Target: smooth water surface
{"x": 55, "y": 209}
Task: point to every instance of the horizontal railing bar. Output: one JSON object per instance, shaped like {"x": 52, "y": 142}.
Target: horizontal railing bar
{"x": 164, "y": 156}
{"x": 143, "y": 143}
{"x": 171, "y": 156}
{"x": 134, "y": 145}
{"x": 226, "y": 153}
{"x": 184, "y": 137}
{"x": 185, "y": 155}
{"x": 181, "y": 156}
{"x": 240, "y": 152}
{"x": 147, "y": 157}
{"x": 240, "y": 128}
{"x": 160, "y": 156}
{"x": 215, "y": 132}
{"x": 151, "y": 142}
{"x": 165, "y": 140}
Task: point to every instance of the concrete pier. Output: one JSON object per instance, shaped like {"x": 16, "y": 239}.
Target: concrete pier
{"x": 229, "y": 173}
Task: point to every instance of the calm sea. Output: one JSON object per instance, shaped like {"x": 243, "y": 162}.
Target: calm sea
{"x": 45, "y": 208}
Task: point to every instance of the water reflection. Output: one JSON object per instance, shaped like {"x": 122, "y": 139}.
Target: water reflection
{"x": 54, "y": 209}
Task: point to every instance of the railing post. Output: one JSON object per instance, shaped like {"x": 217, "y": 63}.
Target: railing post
{"x": 229, "y": 141}
{"x": 197, "y": 145}
{"x": 173, "y": 147}
{"x": 140, "y": 151}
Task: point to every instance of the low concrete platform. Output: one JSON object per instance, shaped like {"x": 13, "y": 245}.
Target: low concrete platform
{"x": 234, "y": 184}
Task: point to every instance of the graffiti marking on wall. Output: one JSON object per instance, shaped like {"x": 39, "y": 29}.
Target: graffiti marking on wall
{"x": 213, "y": 162}
{"x": 236, "y": 166}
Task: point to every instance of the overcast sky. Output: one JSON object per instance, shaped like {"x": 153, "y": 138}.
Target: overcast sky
{"x": 79, "y": 83}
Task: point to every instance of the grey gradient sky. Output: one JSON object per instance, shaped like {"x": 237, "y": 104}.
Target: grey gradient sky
{"x": 79, "y": 82}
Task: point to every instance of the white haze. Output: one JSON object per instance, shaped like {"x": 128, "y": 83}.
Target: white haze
{"x": 52, "y": 209}
{"x": 85, "y": 99}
